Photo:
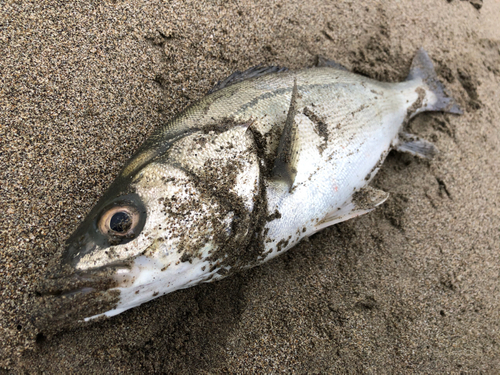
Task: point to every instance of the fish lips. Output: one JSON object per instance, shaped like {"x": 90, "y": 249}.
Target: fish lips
{"x": 67, "y": 297}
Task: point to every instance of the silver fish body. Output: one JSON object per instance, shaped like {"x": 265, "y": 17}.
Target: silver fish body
{"x": 239, "y": 178}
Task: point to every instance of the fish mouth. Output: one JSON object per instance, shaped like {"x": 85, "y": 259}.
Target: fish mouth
{"x": 66, "y": 280}
{"x": 67, "y": 297}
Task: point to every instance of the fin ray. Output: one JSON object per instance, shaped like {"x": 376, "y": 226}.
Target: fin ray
{"x": 253, "y": 72}
{"x": 416, "y": 146}
{"x": 363, "y": 201}
{"x": 324, "y": 62}
{"x": 284, "y": 168}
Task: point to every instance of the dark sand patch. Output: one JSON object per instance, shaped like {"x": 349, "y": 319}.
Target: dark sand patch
{"x": 412, "y": 287}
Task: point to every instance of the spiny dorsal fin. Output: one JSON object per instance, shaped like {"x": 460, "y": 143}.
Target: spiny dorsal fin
{"x": 253, "y": 72}
{"x": 286, "y": 160}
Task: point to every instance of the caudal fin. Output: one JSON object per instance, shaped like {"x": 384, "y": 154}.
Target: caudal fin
{"x": 423, "y": 68}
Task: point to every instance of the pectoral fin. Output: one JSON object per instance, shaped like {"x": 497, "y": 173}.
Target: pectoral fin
{"x": 284, "y": 168}
{"x": 361, "y": 202}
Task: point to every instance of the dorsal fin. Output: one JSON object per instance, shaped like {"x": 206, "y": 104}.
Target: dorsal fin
{"x": 253, "y": 72}
{"x": 286, "y": 160}
{"x": 322, "y": 62}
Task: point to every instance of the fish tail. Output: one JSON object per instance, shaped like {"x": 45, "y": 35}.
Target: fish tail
{"x": 423, "y": 68}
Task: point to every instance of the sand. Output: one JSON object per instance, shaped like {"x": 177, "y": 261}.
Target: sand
{"x": 412, "y": 287}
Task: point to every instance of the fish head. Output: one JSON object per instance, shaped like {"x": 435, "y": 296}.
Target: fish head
{"x": 164, "y": 227}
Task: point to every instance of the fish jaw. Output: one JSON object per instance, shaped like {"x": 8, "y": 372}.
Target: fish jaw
{"x": 69, "y": 296}
{"x": 111, "y": 290}
{"x": 148, "y": 279}
{"x": 74, "y": 296}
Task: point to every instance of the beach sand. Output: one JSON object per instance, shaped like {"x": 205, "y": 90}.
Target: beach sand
{"x": 413, "y": 287}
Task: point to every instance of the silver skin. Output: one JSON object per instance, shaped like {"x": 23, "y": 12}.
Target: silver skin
{"x": 203, "y": 200}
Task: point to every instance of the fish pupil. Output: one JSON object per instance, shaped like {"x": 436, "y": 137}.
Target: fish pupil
{"x": 120, "y": 222}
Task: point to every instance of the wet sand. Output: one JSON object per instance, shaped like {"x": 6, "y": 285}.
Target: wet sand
{"x": 413, "y": 287}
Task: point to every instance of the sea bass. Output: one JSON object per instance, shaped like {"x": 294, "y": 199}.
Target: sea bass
{"x": 267, "y": 158}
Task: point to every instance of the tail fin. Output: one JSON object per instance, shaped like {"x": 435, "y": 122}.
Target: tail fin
{"x": 423, "y": 68}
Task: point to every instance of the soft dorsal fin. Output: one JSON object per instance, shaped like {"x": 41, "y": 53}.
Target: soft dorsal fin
{"x": 322, "y": 62}
{"x": 253, "y": 72}
{"x": 284, "y": 168}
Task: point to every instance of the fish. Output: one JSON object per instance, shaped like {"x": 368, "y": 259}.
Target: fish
{"x": 268, "y": 157}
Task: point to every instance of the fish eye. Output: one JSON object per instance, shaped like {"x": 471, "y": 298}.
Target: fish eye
{"x": 119, "y": 221}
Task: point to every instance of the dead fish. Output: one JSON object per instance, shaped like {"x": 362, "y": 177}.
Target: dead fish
{"x": 267, "y": 158}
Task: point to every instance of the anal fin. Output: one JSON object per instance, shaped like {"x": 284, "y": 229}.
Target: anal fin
{"x": 416, "y": 146}
{"x": 362, "y": 201}
{"x": 284, "y": 168}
